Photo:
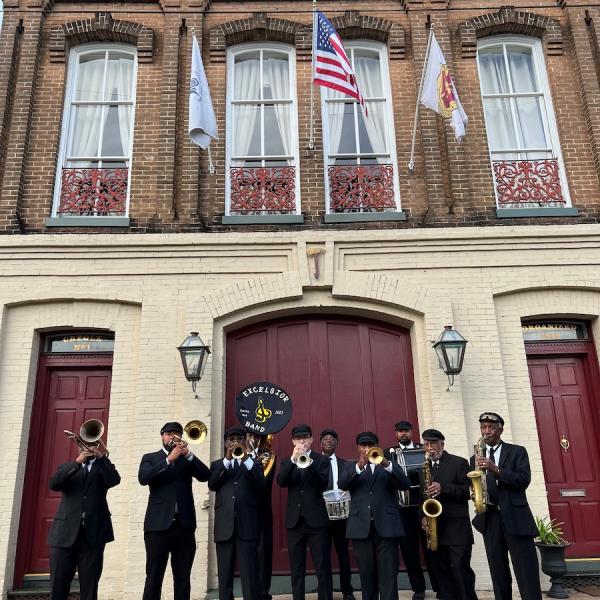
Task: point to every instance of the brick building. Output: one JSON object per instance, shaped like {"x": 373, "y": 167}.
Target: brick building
{"x": 327, "y": 267}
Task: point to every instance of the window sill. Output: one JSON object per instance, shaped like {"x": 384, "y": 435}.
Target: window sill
{"x": 510, "y": 213}
{"x": 87, "y": 222}
{"x": 261, "y": 219}
{"x": 363, "y": 217}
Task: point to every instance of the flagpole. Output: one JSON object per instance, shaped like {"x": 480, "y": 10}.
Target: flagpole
{"x": 411, "y": 162}
{"x": 311, "y": 141}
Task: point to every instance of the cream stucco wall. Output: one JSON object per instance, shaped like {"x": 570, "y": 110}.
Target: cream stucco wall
{"x": 151, "y": 290}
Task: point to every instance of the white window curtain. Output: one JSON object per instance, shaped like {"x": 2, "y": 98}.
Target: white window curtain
{"x": 368, "y": 73}
{"x": 246, "y": 116}
{"x": 276, "y": 77}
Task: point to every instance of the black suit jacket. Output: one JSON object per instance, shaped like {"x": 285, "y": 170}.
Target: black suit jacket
{"x": 170, "y": 485}
{"x": 345, "y": 468}
{"x": 454, "y": 525}
{"x": 515, "y": 476}
{"x": 305, "y": 491}
{"x": 374, "y": 499}
{"x": 237, "y": 500}
{"x": 83, "y": 494}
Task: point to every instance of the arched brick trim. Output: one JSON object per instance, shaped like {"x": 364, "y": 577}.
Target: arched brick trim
{"x": 257, "y": 28}
{"x": 353, "y": 25}
{"x": 101, "y": 28}
{"x": 509, "y": 20}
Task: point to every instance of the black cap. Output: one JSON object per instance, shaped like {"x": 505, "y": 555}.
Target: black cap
{"x": 172, "y": 426}
{"x": 433, "y": 435}
{"x": 403, "y": 425}
{"x": 331, "y": 432}
{"x": 231, "y": 431}
{"x": 301, "y": 430}
{"x": 491, "y": 417}
{"x": 367, "y": 437}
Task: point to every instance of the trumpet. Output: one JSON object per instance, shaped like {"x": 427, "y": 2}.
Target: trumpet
{"x": 90, "y": 436}
{"x": 375, "y": 455}
{"x": 303, "y": 460}
{"x": 194, "y": 433}
{"x": 478, "y": 479}
{"x": 238, "y": 451}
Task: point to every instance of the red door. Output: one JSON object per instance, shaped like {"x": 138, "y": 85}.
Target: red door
{"x": 349, "y": 374}
{"x": 567, "y": 426}
{"x": 69, "y": 391}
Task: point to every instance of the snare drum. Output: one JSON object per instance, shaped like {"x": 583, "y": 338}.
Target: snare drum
{"x": 337, "y": 503}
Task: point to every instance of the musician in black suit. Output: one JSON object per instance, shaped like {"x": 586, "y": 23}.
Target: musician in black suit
{"x": 451, "y": 562}
{"x": 410, "y": 501}
{"x": 82, "y": 526}
{"x": 507, "y": 525}
{"x": 374, "y": 524}
{"x": 170, "y": 520}
{"x": 265, "y": 520}
{"x": 238, "y": 483}
{"x": 306, "y": 516}
{"x": 337, "y": 527}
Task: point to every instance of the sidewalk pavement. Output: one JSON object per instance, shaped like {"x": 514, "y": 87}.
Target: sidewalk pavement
{"x": 407, "y": 595}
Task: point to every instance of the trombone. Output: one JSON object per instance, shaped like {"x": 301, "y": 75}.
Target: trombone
{"x": 194, "y": 433}
{"x": 90, "y": 436}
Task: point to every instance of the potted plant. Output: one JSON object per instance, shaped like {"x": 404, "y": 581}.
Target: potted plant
{"x": 552, "y": 548}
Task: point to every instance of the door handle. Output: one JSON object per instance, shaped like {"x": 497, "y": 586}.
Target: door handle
{"x": 564, "y": 443}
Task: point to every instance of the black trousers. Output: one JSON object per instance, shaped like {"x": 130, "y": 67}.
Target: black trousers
{"x": 265, "y": 556}
{"x": 377, "y": 559}
{"x": 180, "y": 543}
{"x": 337, "y": 533}
{"x": 317, "y": 539}
{"x": 410, "y": 547}
{"x": 499, "y": 543}
{"x": 88, "y": 560}
{"x": 246, "y": 552}
{"x": 452, "y": 568}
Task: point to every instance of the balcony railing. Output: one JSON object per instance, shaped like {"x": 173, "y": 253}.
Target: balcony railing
{"x": 361, "y": 188}
{"x": 93, "y": 192}
{"x": 528, "y": 183}
{"x": 263, "y": 190}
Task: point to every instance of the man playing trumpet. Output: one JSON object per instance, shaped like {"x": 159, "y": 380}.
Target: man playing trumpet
{"x": 238, "y": 481}
{"x": 82, "y": 526}
{"x": 305, "y": 475}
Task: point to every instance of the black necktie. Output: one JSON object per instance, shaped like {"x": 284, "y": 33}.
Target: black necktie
{"x": 492, "y": 486}
{"x": 330, "y": 480}
{"x": 236, "y": 466}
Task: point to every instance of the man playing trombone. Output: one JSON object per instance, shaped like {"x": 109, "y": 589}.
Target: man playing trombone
{"x": 238, "y": 481}
{"x": 82, "y": 525}
{"x": 170, "y": 520}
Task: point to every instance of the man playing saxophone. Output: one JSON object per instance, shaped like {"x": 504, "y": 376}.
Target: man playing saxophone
{"x": 451, "y": 562}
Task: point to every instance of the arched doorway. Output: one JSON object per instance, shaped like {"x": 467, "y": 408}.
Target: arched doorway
{"x": 349, "y": 373}
{"x": 72, "y": 385}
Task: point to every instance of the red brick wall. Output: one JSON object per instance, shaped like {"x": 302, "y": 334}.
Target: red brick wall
{"x": 171, "y": 189}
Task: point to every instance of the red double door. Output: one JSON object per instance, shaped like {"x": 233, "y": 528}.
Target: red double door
{"x": 565, "y": 388}
{"x": 69, "y": 391}
{"x": 346, "y": 373}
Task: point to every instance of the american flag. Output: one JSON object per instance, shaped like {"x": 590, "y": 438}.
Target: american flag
{"x": 332, "y": 68}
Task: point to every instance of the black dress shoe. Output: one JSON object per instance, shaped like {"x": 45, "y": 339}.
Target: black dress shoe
{"x": 348, "y": 597}
{"x": 418, "y": 596}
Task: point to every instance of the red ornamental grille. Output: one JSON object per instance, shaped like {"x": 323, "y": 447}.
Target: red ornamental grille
{"x": 263, "y": 190}
{"x": 93, "y": 191}
{"x": 361, "y": 188}
{"x": 528, "y": 181}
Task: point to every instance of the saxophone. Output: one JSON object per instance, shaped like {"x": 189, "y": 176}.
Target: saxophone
{"x": 431, "y": 507}
{"x": 479, "y": 493}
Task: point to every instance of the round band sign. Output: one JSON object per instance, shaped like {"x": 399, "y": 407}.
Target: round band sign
{"x": 263, "y": 407}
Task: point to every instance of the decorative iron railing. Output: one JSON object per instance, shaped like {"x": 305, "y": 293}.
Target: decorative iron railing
{"x": 263, "y": 190}
{"x": 93, "y": 192}
{"x": 361, "y": 188}
{"x": 527, "y": 183}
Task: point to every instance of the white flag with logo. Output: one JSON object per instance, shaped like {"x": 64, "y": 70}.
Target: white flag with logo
{"x": 202, "y": 125}
{"x": 439, "y": 93}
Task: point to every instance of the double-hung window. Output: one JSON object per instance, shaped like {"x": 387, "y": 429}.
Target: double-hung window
{"x": 361, "y": 174}
{"x": 523, "y": 140}
{"x": 262, "y": 144}
{"x": 93, "y": 172}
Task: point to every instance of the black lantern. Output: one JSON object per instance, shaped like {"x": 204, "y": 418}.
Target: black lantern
{"x": 194, "y": 354}
{"x": 450, "y": 349}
